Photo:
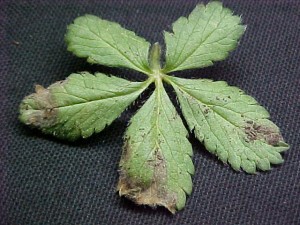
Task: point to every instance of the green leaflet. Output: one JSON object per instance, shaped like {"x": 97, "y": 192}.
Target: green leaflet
{"x": 208, "y": 34}
{"x": 230, "y": 123}
{"x": 156, "y": 166}
{"x": 107, "y": 43}
{"x": 81, "y": 105}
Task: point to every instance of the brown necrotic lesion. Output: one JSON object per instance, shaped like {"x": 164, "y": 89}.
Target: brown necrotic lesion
{"x": 39, "y": 109}
{"x": 255, "y": 131}
{"x": 153, "y": 192}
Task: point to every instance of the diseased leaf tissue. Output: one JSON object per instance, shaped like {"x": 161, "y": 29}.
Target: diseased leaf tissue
{"x": 156, "y": 165}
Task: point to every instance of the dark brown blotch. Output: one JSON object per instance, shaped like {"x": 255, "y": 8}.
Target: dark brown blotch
{"x": 153, "y": 192}
{"x": 39, "y": 109}
{"x": 256, "y": 131}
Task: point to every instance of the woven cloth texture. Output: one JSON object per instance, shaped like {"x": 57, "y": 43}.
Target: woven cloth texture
{"x": 46, "y": 181}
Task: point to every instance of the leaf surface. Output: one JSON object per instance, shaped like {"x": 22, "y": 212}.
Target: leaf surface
{"x": 79, "y": 106}
{"x": 156, "y": 163}
{"x": 207, "y": 35}
{"x": 230, "y": 123}
{"x": 107, "y": 43}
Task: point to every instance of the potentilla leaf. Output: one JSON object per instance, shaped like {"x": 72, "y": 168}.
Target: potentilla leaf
{"x": 207, "y": 35}
{"x": 156, "y": 164}
{"x": 230, "y": 123}
{"x": 79, "y": 106}
{"x": 107, "y": 43}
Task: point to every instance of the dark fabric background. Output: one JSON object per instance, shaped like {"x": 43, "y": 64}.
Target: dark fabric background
{"x": 46, "y": 181}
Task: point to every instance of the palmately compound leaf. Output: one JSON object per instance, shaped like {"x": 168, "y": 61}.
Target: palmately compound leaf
{"x": 156, "y": 163}
{"x": 207, "y": 35}
{"x": 79, "y": 106}
{"x": 230, "y": 123}
{"x": 107, "y": 43}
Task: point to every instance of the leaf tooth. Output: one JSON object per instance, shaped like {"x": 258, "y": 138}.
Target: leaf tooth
{"x": 248, "y": 166}
{"x": 275, "y": 158}
{"x": 263, "y": 164}
{"x": 234, "y": 160}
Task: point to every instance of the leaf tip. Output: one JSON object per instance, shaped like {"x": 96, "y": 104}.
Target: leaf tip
{"x": 38, "y": 109}
{"x": 145, "y": 195}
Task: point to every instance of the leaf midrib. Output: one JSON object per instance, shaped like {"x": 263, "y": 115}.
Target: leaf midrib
{"x": 210, "y": 106}
{"x": 141, "y": 69}
{"x": 178, "y": 64}
{"x": 138, "y": 91}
